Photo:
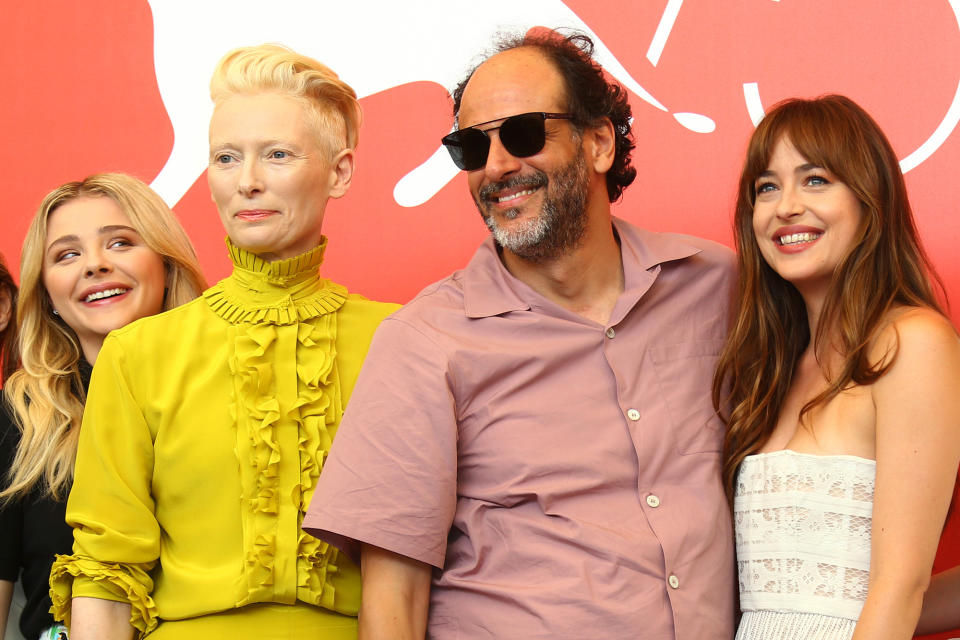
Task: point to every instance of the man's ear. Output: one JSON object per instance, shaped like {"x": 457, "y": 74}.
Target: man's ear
{"x": 341, "y": 173}
{"x": 600, "y": 146}
{"x": 6, "y": 307}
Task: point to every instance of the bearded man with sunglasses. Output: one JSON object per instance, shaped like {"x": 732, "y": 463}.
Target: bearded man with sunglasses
{"x": 534, "y": 435}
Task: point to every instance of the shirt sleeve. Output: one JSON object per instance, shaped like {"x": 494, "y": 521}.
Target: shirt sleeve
{"x": 11, "y": 511}
{"x": 116, "y": 535}
{"x": 391, "y": 477}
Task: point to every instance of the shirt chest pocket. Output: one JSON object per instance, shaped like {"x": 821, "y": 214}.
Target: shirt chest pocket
{"x": 685, "y": 373}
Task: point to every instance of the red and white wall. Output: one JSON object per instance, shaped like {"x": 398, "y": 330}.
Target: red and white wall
{"x": 122, "y": 86}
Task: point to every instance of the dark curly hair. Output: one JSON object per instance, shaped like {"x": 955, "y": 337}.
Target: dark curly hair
{"x": 590, "y": 97}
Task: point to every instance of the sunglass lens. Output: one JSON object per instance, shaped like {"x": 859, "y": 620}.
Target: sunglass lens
{"x": 468, "y": 148}
{"x": 523, "y": 135}
{"x": 452, "y": 143}
{"x": 474, "y": 145}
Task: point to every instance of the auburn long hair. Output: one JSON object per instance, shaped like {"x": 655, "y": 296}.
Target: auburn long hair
{"x": 885, "y": 267}
{"x": 46, "y": 393}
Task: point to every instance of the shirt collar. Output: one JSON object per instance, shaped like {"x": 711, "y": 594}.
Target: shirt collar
{"x": 490, "y": 290}
{"x": 281, "y": 292}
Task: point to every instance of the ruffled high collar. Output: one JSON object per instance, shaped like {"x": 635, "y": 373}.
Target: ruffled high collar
{"x": 280, "y": 292}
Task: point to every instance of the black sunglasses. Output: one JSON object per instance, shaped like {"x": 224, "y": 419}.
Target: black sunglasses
{"x": 521, "y": 135}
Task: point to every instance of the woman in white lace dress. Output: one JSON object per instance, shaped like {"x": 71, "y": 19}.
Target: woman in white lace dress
{"x": 842, "y": 372}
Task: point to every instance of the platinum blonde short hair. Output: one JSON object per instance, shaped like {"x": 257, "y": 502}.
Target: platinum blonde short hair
{"x": 331, "y": 102}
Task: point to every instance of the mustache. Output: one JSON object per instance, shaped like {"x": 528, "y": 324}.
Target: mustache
{"x": 533, "y": 181}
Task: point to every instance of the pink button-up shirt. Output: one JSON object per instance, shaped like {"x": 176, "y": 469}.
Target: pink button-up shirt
{"x": 563, "y": 476}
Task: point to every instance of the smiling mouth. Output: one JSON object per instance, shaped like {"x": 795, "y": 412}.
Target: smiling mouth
{"x": 501, "y": 192}
{"x": 797, "y": 238}
{"x": 107, "y": 293}
{"x": 514, "y": 196}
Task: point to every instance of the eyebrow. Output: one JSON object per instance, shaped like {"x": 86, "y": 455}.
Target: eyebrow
{"x": 104, "y": 230}
{"x": 216, "y": 146}
{"x": 803, "y": 168}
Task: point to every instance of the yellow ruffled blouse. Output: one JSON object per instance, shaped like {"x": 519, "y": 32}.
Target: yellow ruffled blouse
{"x": 204, "y": 433}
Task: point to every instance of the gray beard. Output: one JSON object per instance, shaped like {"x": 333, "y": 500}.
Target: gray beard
{"x": 561, "y": 223}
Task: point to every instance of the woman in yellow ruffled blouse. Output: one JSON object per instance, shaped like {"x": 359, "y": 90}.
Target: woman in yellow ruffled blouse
{"x": 207, "y": 426}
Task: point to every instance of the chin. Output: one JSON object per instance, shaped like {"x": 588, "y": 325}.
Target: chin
{"x": 119, "y": 321}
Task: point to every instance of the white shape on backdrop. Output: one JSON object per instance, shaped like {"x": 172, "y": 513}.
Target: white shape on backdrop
{"x": 421, "y": 184}
{"x": 751, "y": 96}
{"x": 695, "y": 122}
{"x": 373, "y": 45}
{"x": 947, "y": 125}
{"x": 384, "y": 45}
{"x": 663, "y": 31}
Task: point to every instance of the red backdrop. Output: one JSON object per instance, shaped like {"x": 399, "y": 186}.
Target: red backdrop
{"x": 88, "y": 87}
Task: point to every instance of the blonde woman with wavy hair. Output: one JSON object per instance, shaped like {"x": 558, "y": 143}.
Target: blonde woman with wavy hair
{"x": 99, "y": 254}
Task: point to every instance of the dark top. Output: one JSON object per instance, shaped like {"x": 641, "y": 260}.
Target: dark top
{"x": 33, "y": 530}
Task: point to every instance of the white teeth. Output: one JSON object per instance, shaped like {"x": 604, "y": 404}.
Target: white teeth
{"x": 796, "y": 238}
{"x": 513, "y": 196}
{"x": 100, "y": 295}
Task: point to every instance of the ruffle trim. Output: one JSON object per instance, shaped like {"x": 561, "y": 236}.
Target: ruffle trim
{"x": 316, "y": 572}
{"x": 317, "y": 566}
{"x": 282, "y": 292}
{"x": 236, "y": 311}
{"x": 130, "y": 583}
{"x": 278, "y": 270}
{"x": 257, "y": 414}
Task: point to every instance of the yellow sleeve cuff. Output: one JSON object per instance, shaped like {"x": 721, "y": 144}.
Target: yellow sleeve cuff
{"x": 75, "y": 576}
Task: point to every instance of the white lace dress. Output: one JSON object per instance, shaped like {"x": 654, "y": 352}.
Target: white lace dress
{"x": 803, "y": 544}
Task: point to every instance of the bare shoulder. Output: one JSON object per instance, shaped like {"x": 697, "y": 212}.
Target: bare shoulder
{"x": 919, "y": 327}
{"x": 917, "y": 336}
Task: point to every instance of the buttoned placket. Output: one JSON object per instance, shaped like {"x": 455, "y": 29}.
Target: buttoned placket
{"x": 651, "y": 500}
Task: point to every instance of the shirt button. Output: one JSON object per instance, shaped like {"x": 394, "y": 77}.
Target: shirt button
{"x": 653, "y": 501}
{"x": 611, "y": 333}
{"x": 673, "y": 581}
{"x": 633, "y": 414}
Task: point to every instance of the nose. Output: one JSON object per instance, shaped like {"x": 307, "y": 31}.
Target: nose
{"x": 790, "y": 203}
{"x": 249, "y": 183}
{"x": 97, "y": 263}
{"x": 500, "y": 162}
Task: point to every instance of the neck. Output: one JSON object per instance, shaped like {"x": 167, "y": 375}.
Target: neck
{"x": 828, "y": 349}
{"x": 587, "y": 280}
{"x": 90, "y": 349}
{"x": 814, "y": 298}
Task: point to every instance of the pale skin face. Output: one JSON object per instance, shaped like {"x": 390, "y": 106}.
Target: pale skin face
{"x": 268, "y": 175}
{"x": 99, "y": 273}
{"x": 805, "y": 220}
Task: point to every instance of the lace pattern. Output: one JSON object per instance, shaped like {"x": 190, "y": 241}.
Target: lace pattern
{"x": 778, "y": 625}
{"x": 803, "y": 535}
